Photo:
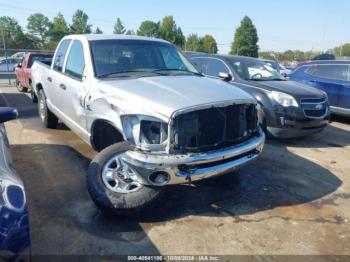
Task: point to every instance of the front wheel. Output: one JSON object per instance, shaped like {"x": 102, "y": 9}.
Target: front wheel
{"x": 115, "y": 187}
{"x": 48, "y": 119}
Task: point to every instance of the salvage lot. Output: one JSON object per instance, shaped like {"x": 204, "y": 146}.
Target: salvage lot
{"x": 293, "y": 200}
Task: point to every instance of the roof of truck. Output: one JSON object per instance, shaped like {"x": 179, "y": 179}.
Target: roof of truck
{"x": 93, "y": 37}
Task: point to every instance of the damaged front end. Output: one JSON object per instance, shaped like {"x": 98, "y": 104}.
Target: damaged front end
{"x": 196, "y": 143}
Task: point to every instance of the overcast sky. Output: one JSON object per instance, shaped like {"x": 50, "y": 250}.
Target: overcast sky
{"x": 281, "y": 25}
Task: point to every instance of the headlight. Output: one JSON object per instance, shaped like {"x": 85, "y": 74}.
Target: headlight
{"x": 148, "y": 133}
{"x": 12, "y": 195}
{"x": 284, "y": 99}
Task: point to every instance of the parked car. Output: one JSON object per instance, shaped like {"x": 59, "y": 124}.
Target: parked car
{"x": 332, "y": 77}
{"x": 290, "y": 109}
{"x": 278, "y": 67}
{"x": 23, "y": 70}
{"x": 153, "y": 118}
{"x": 324, "y": 57}
{"x": 14, "y": 226}
{"x": 9, "y": 64}
{"x": 19, "y": 55}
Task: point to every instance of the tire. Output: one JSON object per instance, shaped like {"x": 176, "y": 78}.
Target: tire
{"x": 122, "y": 204}
{"x": 33, "y": 96}
{"x": 48, "y": 119}
{"x": 19, "y": 86}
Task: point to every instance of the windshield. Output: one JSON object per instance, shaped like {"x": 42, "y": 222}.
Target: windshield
{"x": 46, "y": 59}
{"x": 121, "y": 58}
{"x": 256, "y": 70}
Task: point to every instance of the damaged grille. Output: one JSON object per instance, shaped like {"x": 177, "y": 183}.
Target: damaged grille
{"x": 214, "y": 128}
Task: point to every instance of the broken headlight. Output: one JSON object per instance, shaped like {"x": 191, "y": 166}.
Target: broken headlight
{"x": 146, "y": 133}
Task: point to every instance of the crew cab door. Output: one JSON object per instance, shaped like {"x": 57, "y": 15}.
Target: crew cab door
{"x": 73, "y": 87}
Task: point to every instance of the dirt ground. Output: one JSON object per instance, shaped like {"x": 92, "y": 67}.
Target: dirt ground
{"x": 294, "y": 200}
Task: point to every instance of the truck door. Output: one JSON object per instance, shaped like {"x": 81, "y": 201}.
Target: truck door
{"x": 73, "y": 87}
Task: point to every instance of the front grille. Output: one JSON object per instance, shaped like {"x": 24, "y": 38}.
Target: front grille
{"x": 314, "y": 107}
{"x": 315, "y": 113}
{"x": 214, "y": 128}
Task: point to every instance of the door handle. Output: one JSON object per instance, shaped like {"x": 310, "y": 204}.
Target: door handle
{"x": 49, "y": 79}
{"x": 63, "y": 86}
{"x": 346, "y": 85}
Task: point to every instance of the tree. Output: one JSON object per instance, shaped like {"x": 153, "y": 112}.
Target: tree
{"x": 193, "y": 43}
{"x": 169, "y": 31}
{"x": 80, "y": 23}
{"x": 149, "y": 29}
{"x": 58, "y": 28}
{"x": 119, "y": 27}
{"x": 208, "y": 44}
{"x": 13, "y": 34}
{"x": 38, "y": 25}
{"x": 246, "y": 39}
{"x": 130, "y": 32}
{"x": 98, "y": 31}
{"x": 343, "y": 50}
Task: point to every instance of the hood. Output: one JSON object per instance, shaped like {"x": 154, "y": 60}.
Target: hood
{"x": 293, "y": 88}
{"x": 166, "y": 94}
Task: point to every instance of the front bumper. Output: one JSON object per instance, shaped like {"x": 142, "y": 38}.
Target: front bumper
{"x": 179, "y": 168}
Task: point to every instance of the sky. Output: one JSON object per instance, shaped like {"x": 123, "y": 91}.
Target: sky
{"x": 281, "y": 25}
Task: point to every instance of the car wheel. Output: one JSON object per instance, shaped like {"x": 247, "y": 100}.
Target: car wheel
{"x": 20, "y": 88}
{"x": 33, "y": 96}
{"x": 115, "y": 187}
{"x": 48, "y": 119}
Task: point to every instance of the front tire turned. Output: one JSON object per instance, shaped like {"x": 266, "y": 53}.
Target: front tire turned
{"x": 114, "y": 186}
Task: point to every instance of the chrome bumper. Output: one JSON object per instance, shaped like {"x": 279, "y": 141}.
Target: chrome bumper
{"x": 197, "y": 166}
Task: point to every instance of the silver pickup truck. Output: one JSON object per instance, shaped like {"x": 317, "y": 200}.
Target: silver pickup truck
{"x": 154, "y": 120}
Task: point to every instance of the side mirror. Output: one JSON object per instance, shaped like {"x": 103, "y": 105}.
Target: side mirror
{"x": 7, "y": 114}
{"x": 225, "y": 76}
{"x": 19, "y": 65}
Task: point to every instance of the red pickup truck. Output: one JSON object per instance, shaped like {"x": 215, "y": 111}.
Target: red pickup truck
{"x": 23, "y": 71}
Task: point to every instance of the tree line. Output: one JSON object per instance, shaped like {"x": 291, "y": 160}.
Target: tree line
{"x": 41, "y": 33}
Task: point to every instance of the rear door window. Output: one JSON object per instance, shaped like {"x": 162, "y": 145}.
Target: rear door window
{"x": 335, "y": 72}
{"x": 60, "y": 55}
{"x": 75, "y": 61}
{"x": 215, "y": 66}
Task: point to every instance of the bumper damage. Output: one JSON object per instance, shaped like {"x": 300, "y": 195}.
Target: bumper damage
{"x": 161, "y": 170}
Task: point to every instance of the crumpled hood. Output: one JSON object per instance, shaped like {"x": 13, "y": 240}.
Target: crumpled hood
{"x": 293, "y": 88}
{"x": 164, "y": 95}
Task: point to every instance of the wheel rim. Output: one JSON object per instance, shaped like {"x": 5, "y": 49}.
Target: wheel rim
{"x": 119, "y": 177}
{"x": 42, "y": 109}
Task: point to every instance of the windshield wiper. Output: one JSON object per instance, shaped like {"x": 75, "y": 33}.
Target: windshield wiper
{"x": 124, "y": 72}
{"x": 177, "y": 70}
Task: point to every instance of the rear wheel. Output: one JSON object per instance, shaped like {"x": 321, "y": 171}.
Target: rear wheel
{"x": 48, "y": 119}
{"x": 19, "y": 86}
{"x": 115, "y": 187}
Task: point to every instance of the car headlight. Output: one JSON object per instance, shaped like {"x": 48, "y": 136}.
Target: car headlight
{"x": 284, "y": 99}
{"x": 12, "y": 195}
{"x": 145, "y": 132}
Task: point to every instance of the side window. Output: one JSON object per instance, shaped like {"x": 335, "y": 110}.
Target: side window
{"x": 200, "y": 64}
{"x": 215, "y": 66}
{"x": 75, "y": 61}
{"x": 336, "y": 72}
{"x": 60, "y": 55}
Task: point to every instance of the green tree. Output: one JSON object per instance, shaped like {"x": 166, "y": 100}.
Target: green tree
{"x": 169, "y": 31}
{"x": 80, "y": 23}
{"x": 193, "y": 43}
{"x": 208, "y": 44}
{"x": 58, "y": 28}
{"x": 130, "y": 32}
{"x": 38, "y": 26}
{"x": 98, "y": 31}
{"x": 343, "y": 50}
{"x": 149, "y": 29}
{"x": 13, "y": 34}
{"x": 246, "y": 39}
{"x": 119, "y": 27}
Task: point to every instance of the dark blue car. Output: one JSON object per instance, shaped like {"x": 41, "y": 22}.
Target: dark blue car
{"x": 331, "y": 76}
{"x": 14, "y": 223}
